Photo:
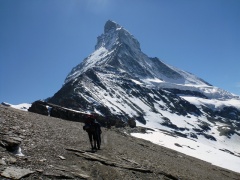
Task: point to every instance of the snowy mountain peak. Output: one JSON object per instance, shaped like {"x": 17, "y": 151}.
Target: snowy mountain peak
{"x": 114, "y": 36}
{"x": 119, "y": 81}
{"x": 118, "y": 52}
{"x": 117, "y": 48}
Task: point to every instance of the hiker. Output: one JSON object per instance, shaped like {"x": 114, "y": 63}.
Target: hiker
{"x": 93, "y": 129}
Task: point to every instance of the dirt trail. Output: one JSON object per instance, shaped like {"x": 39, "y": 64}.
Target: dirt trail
{"x": 59, "y": 149}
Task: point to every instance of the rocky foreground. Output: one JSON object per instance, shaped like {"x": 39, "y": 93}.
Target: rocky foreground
{"x": 58, "y": 149}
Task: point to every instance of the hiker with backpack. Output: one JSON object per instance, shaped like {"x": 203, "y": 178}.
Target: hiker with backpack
{"x": 93, "y": 128}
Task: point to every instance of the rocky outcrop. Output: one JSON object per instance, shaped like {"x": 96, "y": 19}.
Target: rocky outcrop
{"x": 10, "y": 143}
{"x": 39, "y": 107}
{"x": 131, "y": 165}
{"x": 53, "y": 110}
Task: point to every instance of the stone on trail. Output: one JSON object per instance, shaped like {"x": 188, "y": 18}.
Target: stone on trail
{"x": 3, "y": 162}
{"x": 62, "y": 158}
{"x": 16, "y": 172}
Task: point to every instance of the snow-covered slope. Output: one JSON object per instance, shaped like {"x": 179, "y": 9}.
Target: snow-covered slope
{"x": 119, "y": 80}
{"x": 216, "y": 153}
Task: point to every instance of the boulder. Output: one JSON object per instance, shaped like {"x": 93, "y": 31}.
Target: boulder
{"x": 39, "y": 107}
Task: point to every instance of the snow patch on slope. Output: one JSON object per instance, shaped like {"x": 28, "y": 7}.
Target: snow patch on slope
{"x": 211, "y": 152}
{"x": 214, "y": 104}
{"x": 22, "y": 106}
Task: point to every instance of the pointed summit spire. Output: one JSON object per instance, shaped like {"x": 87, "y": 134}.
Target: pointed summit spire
{"x": 110, "y": 25}
{"x": 114, "y": 34}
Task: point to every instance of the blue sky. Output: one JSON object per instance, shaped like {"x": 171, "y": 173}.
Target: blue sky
{"x": 42, "y": 40}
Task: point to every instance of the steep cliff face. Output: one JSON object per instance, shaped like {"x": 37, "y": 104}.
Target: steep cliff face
{"x": 118, "y": 79}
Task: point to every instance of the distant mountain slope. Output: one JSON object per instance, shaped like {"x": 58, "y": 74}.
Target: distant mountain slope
{"x": 118, "y": 79}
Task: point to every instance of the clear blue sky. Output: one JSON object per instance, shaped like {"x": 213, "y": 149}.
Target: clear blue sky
{"x": 42, "y": 40}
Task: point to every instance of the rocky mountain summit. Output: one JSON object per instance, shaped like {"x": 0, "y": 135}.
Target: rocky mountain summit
{"x": 118, "y": 52}
{"x": 120, "y": 81}
{"x": 34, "y": 146}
